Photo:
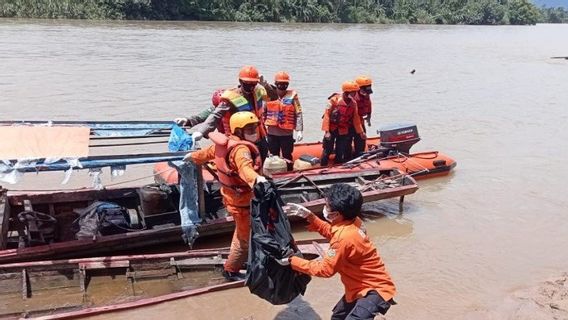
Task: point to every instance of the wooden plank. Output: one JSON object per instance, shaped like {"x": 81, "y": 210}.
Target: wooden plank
{"x": 4, "y": 218}
{"x": 197, "y": 262}
{"x": 95, "y": 265}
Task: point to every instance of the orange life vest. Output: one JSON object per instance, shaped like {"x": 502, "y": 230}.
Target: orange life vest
{"x": 341, "y": 114}
{"x": 228, "y": 176}
{"x": 364, "y": 104}
{"x": 240, "y": 103}
{"x": 282, "y": 112}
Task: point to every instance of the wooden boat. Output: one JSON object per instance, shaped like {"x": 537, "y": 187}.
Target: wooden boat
{"x": 64, "y": 289}
{"x": 39, "y": 225}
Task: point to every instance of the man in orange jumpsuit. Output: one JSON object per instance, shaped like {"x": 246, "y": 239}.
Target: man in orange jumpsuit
{"x": 364, "y": 107}
{"x": 369, "y": 288}
{"x": 340, "y": 118}
{"x": 237, "y": 160}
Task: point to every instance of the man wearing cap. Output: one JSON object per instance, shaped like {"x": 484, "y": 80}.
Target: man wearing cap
{"x": 340, "y": 118}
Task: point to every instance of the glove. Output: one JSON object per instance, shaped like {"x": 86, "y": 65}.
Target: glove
{"x": 181, "y": 121}
{"x": 187, "y": 158}
{"x": 294, "y": 209}
{"x": 260, "y": 179}
{"x": 299, "y": 136}
{"x": 283, "y": 261}
{"x": 197, "y": 136}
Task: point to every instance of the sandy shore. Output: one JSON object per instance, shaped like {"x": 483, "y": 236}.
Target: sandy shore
{"x": 547, "y": 300}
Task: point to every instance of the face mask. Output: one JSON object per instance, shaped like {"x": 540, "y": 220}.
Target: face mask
{"x": 251, "y": 137}
{"x": 329, "y": 216}
{"x": 248, "y": 87}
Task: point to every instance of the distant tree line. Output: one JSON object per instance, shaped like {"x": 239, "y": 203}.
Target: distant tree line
{"x": 477, "y": 12}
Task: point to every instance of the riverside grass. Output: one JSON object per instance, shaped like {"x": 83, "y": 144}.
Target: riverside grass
{"x": 476, "y": 12}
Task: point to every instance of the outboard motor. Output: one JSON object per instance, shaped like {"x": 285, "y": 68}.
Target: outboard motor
{"x": 398, "y": 138}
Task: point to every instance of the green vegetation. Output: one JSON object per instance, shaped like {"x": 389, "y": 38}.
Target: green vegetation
{"x": 356, "y": 11}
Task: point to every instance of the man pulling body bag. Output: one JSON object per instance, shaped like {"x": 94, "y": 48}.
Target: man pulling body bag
{"x": 271, "y": 240}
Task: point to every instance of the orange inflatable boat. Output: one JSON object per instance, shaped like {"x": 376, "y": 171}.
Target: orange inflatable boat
{"x": 392, "y": 151}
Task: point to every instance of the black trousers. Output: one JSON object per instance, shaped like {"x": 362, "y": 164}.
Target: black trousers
{"x": 262, "y": 146}
{"x": 282, "y": 145}
{"x": 340, "y": 144}
{"x": 358, "y": 142}
{"x": 363, "y": 308}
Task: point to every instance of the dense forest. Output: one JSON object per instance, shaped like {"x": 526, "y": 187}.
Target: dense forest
{"x": 476, "y": 12}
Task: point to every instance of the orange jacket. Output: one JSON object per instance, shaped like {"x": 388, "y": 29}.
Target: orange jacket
{"x": 345, "y": 121}
{"x": 352, "y": 255}
{"x": 364, "y": 104}
{"x": 241, "y": 160}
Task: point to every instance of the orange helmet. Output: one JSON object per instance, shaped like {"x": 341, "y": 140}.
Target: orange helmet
{"x": 349, "y": 86}
{"x": 363, "y": 81}
{"x": 216, "y": 98}
{"x": 249, "y": 74}
{"x": 282, "y": 76}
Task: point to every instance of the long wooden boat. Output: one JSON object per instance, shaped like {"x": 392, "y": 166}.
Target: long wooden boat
{"x": 39, "y": 225}
{"x": 66, "y": 289}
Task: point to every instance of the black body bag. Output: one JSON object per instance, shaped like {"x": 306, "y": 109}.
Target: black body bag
{"x": 270, "y": 239}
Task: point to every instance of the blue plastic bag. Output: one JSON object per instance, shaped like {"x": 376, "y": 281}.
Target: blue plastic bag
{"x": 179, "y": 140}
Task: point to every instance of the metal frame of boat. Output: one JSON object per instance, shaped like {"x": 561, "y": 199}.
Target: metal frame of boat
{"x": 26, "y": 288}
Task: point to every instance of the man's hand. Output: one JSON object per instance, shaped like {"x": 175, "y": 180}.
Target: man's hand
{"x": 368, "y": 120}
{"x": 363, "y": 135}
{"x": 187, "y": 158}
{"x": 181, "y": 121}
{"x": 327, "y": 135}
{"x": 197, "y": 136}
{"x": 294, "y": 209}
{"x": 299, "y": 136}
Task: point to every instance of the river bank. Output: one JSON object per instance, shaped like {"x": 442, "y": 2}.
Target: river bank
{"x": 545, "y": 301}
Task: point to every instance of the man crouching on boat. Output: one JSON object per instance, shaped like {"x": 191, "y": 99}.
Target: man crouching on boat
{"x": 238, "y": 162}
{"x": 369, "y": 288}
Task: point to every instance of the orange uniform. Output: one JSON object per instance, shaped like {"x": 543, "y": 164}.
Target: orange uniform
{"x": 352, "y": 255}
{"x": 348, "y": 116}
{"x": 240, "y": 160}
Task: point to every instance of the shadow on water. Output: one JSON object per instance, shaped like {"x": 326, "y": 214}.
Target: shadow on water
{"x": 298, "y": 309}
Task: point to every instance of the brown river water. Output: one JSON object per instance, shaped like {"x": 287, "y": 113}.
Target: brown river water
{"x": 490, "y": 97}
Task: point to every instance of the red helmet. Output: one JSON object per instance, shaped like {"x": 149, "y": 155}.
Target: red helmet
{"x": 249, "y": 74}
{"x": 216, "y": 98}
{"x": 282, "y": 76}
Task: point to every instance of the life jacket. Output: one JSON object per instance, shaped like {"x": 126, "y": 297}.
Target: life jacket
{"x": 240, "y": 103}
{"x": 282, "y": 112}
{"x": 364, "y": 104}
{"x": 228, "y": 175}
{"x": 341, "y": 114}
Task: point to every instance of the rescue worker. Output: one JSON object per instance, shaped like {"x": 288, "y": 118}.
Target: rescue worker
{"x": 341, "y": 115}
{"x": 364, "y": 105}
{"x": 248, "y": 96}
{"x": 369, "y": 288}
{"x": 237, "y": 160}
{"x": 283, "y": 116}
{"x": 194, "y": 120}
